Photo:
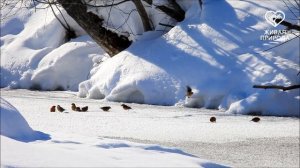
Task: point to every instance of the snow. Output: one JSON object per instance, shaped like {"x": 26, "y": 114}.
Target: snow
{"x": 73, "y": 149}
{"x": 35, "y": 51}
{"x": 118, "y": 137}
{"x": 221, "y": 58}
{"x": 14, "y": 125}
{"x": 87, "y": 152}
{"x": 216, "y": 50}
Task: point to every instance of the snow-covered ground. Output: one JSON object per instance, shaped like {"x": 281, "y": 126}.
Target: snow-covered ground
{"x": 114, "y": 138}
{"x": 219, "y": 54}
{"x": 64, "y": 147}
{"x": 217, "y": 50}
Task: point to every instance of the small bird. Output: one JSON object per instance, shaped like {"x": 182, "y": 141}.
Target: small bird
{"x": 255, "y": 119}
{"x": 77, "y": 109}
{"x": 105, "y": 108}
{"x": 84, "y": 109}
{"x": 125, "y": 107}
{"x": 60, "y": 109}
{"x": 213, "y": 119}
{"x": 73, "y": 106}
{"x": 52, "y": 109}
{"x": 189, "y": 91}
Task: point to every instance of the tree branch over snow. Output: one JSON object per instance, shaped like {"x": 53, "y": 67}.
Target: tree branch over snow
{"x": 143, "y": 14}
{"x": 110, "y": 41}
{"x": 174, "y": 10}
{"x": 277, "y": 87}
{"x": 288, "y": 24}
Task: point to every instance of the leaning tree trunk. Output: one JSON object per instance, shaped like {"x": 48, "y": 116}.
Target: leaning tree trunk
{"x": 111, "y": 42}
{"x": 143, "y": 14}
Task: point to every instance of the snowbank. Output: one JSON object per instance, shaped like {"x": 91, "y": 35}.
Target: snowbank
{"x": 221, "y": 58}
{"x": 65, "y": 67}
{"x": 34, "y": 54}
{"x": 14, "y": 125}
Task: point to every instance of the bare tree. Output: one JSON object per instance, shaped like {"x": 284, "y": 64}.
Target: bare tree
{"x": 109, "y": 38}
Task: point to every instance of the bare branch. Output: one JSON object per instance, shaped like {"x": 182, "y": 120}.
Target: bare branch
{"x": 288, "y": 24}
{"x": 277, "y": 87}
{"x": 143, "y": 14}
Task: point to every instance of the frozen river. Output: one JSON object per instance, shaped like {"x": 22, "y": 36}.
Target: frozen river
{"x": 232, "y": 140}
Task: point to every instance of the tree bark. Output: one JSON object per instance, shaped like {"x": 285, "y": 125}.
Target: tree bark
{"x": 173, "y": 10}
{"x": 111, "y": 42}
{"x": 143, "y": 14}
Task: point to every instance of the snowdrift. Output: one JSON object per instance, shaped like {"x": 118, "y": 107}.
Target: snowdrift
{"x": 220, "y": 55}
{"x": 34, "y": 54}
{"x": 13, "y": 125}
{"x": 221, "y": 58}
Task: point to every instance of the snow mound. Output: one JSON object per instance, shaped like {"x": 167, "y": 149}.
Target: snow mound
{"x": 268, "y": 102}
{"x": 221, "y": 58}
{"x": 65, "y": 67}
{"x": 14, "y": 125}
{"x": 35, "y": 54}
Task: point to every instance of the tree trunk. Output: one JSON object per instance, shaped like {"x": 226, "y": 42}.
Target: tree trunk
{"x": 111, "y": 42}
{"x": 173, "y": 10}
{"x": 143, "y": 14}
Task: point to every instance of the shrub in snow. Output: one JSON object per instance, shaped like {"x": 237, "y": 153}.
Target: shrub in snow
{"x": 14, "y": 125}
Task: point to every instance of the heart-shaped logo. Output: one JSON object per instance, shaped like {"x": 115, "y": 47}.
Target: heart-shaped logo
{"x": 274, "y": 18}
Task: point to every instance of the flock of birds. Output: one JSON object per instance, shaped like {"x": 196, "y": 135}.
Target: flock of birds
{"x": 75, "y": 108}
{"x": 84, "y": 109}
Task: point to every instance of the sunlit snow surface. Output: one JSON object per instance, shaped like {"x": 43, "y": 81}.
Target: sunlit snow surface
{"x": 96, "y": 138}
{"x": 216, "y": 50}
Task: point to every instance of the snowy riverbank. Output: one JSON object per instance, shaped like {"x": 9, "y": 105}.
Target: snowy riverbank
{"x": 249, "y": 143}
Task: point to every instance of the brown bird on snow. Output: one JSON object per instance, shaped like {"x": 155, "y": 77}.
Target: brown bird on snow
{"x": 77, "y": 109}
{"x": 84, "y": 109}
{"x": 213, "y": 119}
{"x": 60, "y": 109}
{"x": 189, "y": 91}
{"x": 105, "y": 108}
{"x": 255, "y": 119}
{"x": 125, "y": 107}
{"x": 52, "y": 109}
{"x": 73, "y": 106}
